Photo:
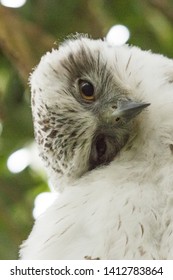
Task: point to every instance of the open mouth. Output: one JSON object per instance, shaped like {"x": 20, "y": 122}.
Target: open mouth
{"x": 103, "y": 150}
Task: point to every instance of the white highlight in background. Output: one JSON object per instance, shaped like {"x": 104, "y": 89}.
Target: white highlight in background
{"x": 42, "y": 202}
{"x": 118, "y": 35}
{"x": 26, "y": 156}
{"x": 19, "y": 160}
{"x": 13, "y": 3}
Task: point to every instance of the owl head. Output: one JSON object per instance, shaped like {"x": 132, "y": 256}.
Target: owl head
{"x": 85, "y": 104}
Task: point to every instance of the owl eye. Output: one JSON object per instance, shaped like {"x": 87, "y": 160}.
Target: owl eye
{"x": 86, "y": 90}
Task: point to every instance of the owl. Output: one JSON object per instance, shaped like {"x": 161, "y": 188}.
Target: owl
{"x": 103, "y": 122}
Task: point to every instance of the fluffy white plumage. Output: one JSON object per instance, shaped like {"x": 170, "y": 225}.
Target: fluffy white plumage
{"x": 121, "y": 210}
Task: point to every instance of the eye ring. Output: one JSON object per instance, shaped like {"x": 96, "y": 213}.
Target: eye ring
{"x": 86, "y": 90}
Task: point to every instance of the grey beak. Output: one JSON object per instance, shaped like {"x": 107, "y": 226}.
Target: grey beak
{"x": 129, "y": 109}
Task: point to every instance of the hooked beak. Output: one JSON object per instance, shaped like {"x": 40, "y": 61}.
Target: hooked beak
{"x": 129, "y": 109}
{"x": 124, "y": 111}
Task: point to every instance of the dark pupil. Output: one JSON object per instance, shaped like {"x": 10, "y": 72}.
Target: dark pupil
{"x": 87, "y": 89}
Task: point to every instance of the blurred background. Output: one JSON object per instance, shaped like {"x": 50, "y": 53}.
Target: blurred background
{"x": 29, "y": 28}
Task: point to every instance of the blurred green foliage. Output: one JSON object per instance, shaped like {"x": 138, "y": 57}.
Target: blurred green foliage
{"x": 25, "y": 34}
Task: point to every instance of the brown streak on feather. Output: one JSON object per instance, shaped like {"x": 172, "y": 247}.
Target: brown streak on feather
{"x": 53, "y": 69}
{"x": 141, "y": 251}
{"x": 133, "y": 209}
{"x": 155, "y": 216}
{"x": 168, "y": 223}
{"x": 119, "y": 224}
{"x": 62, "y": 206}
{"x": 89, "y": 258}
{"x": 61, "y": 219}
{"x": 171, "y": 148}
{"x": 127, "y": 239}
{"x": 49, "y": 238}
{"x": 142, "y": 229}
{"x": 64, "y": 231}
{"x": 128, "y": 62}
{"x": 138, "y": 84}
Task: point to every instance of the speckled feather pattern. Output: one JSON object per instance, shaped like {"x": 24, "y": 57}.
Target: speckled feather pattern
{"x": 122, "y": 210}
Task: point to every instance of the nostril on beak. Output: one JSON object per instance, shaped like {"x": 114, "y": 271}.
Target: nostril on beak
{"x": 117, "y": 119}
{"x": 114, "y": 107}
